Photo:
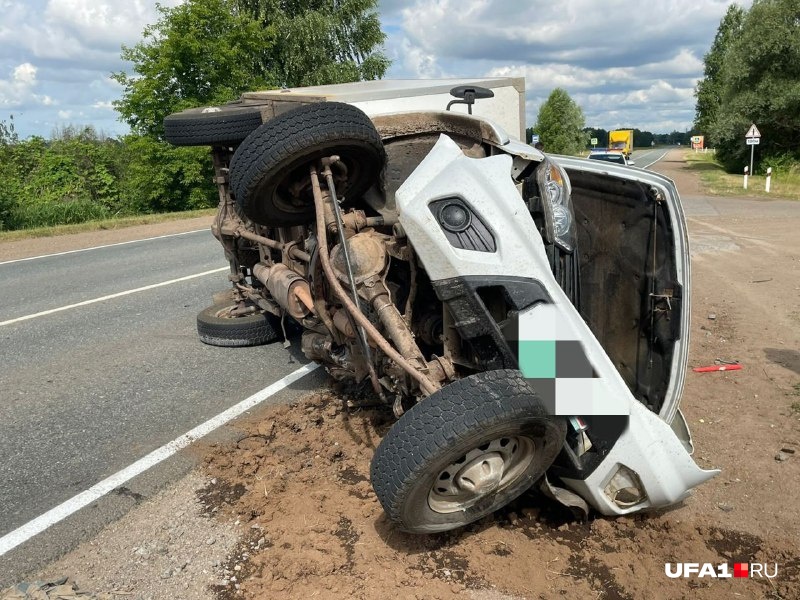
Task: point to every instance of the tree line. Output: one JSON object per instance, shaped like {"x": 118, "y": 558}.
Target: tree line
{"x": 752, "y": 75}
{"x": 200, "y": 53}
{"x": 644, "y": 139}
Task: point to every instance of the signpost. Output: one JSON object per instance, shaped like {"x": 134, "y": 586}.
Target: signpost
{"x": 753, "y": 138}
{"x": 594, "y": 142}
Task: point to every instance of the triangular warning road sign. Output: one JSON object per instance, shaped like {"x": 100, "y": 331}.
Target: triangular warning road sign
{"x": 753, "y": 132}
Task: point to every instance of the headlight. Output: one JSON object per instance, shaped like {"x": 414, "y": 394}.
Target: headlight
{"x": 562, "y": 221}
{"x": 556, "y": 205}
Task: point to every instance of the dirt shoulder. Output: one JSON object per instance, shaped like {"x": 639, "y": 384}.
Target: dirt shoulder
{"x": 295, "y": 489}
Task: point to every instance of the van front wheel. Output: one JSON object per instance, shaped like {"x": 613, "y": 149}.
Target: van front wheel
{"x": 464, "y": 452}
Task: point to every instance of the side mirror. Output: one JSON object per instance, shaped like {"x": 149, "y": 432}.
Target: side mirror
{"x": 631, "y": 163}
{"x": 467, "y": 94}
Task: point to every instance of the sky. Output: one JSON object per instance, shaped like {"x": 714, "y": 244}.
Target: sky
{"x": 625, "y": 62}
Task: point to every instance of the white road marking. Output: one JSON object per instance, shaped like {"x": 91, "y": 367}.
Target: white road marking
{"x": 109, "y": 297}
{"x": 34, "y": 527}
{"x": 656, "y": 160}
{"x": 158, "y": 237}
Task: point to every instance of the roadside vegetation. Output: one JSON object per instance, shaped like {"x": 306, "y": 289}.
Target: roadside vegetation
{"x": 200, "y": 53}
{"x": 785, "y": 181}
{"x": 751, "y": 75}
{"x": 80, "y": 175}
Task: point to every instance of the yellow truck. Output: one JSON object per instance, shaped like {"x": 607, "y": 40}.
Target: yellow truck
{"x": 621, "y": 140}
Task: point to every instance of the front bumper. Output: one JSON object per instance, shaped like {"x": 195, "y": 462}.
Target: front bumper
{"x": 649, "y": 448}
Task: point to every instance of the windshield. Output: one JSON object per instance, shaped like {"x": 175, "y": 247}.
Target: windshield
{"x": 615, "y": 158}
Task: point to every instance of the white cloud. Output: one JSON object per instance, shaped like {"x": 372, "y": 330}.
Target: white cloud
{"x": 552, "y": 75}
{"x": 25, "y": 75}
{"x": 636, "y": 63}
{"x": 421, "y": 64}
{"x": 582, "y": 32}
{"x": 660, "y": 92}
{"x": 96, "y": 23}
{"x": 18, "y": 89}
{"x": 75, "y": 45}
{"x": 76, "y": 32}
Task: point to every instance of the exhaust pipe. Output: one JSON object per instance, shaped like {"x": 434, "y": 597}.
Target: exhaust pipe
{"x": 288, "y": 289}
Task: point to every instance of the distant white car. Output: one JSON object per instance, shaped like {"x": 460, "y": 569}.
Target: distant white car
{"x": 614, "y": 157}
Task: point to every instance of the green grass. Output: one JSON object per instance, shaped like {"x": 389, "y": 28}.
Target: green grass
{"x": 105, "y": 224}
{"x": 795, "y": 392}
{"x": 717, "y": 182}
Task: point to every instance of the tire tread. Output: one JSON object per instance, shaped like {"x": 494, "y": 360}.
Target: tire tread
{"x": 226, "y": 127}
{"x": 267, "y": 149}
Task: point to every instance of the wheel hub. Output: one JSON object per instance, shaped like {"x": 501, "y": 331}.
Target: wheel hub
{"x": 482, "y": 471}
{"x": 482, "y": 475}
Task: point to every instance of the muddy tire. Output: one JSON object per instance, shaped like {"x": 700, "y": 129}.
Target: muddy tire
{"x": 225, "y": 125}
{"x": 269, "y": 170}
{"x": 217, "y": 329}
{"x": 464, "y": 452}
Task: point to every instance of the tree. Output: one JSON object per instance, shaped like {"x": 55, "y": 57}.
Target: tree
{"x": 599, "y": 133}
{"x": 198, "y": 53}
{"x": 315, "y": 42}
{"x": 560, "y": 124}
{"x": 210, "y": 51}
{"x": 207, "y": 52}
{"x": 760, "y": 83}
{"x": 70, "y": 178}
{"x": 709, "y": 89}
{"x": 8, "y": 132}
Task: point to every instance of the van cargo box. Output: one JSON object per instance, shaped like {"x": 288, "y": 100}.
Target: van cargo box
{"x": 507, "y": 108}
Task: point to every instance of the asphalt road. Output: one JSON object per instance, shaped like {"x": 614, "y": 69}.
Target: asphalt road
{"x": 646, "y": 158}
{"x": 88, "y": 390}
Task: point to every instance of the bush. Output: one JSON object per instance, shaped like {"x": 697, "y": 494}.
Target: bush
{"x": 80, "y": 175}
{"x": 783, "y": 163}
{"x": 158, "y": 177}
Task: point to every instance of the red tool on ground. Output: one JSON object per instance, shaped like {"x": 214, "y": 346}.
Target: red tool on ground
{"x": 720, "y": 365}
